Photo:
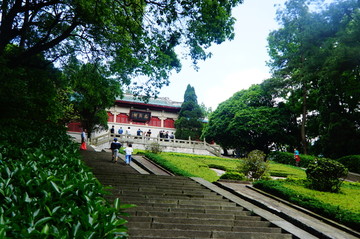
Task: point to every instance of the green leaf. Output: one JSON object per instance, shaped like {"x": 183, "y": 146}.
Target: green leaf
{"x": 42, "y": 220}
{"x": 45, "y": 229}
{"x": 55, "y": 186}
{"x": 76, "y": 229}
{"x": 125, "y": 206}
{"x": 117, "y": 204}
{"x": 27, "y": 198}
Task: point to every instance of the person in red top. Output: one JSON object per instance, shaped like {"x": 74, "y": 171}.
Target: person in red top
{"x": 296, "y": 157}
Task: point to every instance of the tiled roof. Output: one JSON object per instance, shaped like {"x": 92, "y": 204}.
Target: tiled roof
{"x": 161, "y": 101}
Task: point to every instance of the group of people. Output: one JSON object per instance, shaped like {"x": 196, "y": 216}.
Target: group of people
{"x": 120, "y": 132}
{"x": 115, "y": 147}
{"x": 166, "y": 135}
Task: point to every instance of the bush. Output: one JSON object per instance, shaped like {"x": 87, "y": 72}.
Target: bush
{"x": 46, "y": 190}
{"x": 255, "y": 165}
{"x": 154, "y": 148}
{"x": 288, "y": 158}
{"x": 233, "y": 176}
{"x": 352, "y": 162}
{"x": 325, "y": 175}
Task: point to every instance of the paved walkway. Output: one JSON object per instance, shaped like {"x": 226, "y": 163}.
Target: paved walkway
{"x": 281, "y": 213}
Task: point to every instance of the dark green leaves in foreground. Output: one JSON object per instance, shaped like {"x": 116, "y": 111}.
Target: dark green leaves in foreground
{"x": 47, "y": 192}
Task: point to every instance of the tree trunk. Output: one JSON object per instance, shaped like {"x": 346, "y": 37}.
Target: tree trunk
{"x": 303, "y": 122}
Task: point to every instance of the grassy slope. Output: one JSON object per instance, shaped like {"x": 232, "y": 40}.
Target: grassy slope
{"x": 198, "y": 166}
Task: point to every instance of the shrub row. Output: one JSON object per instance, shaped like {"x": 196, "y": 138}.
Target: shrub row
{"x": 288, "y": 158}
{"x": 352, "y": 162}
{"x": 346, "y": 217}
{"x": 45, "y": 189}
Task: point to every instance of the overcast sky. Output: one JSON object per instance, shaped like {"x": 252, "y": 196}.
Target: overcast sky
{"x": 235, "y": 65}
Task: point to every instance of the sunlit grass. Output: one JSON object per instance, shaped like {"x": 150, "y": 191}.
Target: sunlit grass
{"x": 283, "y": 170}
{"x": 348, "y": 198}
{"x": 200, "y": 166}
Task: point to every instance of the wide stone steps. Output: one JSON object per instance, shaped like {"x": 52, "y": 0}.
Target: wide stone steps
{"x": 178, "y": 207}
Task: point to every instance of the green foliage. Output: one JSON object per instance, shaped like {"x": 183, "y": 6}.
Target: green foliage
{"x": 93, "y": 92}
{"x": 136, "y": 38}
{"x": 313, "y": 59}
{"x": 249, "y": 121}
{"x": 46, "y": 191}
{"x": 233, "y": 176}
{"x": 343, "y": 208}
{"x": 221, "y": 167}
{"x": 29, "y": 90}
{"x": 254, "y": 165}
{"x": 288, "y": 158}
{"x": 326, "y": 175}
{"x": 352, "y": 162}
{"x": 189, "y": 123}
{"x": 154, "y": 148}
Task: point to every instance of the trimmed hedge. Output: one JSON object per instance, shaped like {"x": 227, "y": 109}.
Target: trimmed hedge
{"x": 352, "y": 162}
{"x": 45, "y": 189}
{"x": 343, "y": 216}
{"x": 233, "y": 176}
{"x": 288, "y": 158}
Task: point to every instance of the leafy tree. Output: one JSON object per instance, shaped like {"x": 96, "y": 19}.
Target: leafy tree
{"x": 133, "y": 38}
{"x": 290, "y": 49}
{"x": 29, "y": 90}
{"x": 338, "y": 93}
{"x": 205, "y": 110}
{"x": 93, "y": 92}
{"x": 189, "y": 123}
{"x": 250, "y": 120}
{"x": 315, "y": 57}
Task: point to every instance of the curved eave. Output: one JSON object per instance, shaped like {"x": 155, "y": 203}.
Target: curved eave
{"x": 147, "y": 106}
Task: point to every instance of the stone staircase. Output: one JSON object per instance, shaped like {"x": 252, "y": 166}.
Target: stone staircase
{"x": 178, "y": 207}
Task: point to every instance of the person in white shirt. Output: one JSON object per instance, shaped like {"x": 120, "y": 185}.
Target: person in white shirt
{"x": 128, "y": 152}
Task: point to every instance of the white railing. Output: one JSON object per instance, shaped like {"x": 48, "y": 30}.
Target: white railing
{"x": 108, "y": 138}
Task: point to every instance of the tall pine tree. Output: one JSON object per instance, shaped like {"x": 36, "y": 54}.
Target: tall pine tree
{"x": 190, "y": 119}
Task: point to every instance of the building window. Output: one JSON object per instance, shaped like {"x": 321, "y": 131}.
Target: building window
{"x": 110, "y": 117}
{"x": 122, "y": 118}
{"x": 155, "y": 121}
{"x": 169, "y": 123}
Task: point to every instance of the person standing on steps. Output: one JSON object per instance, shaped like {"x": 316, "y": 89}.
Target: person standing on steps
{"x": 128, "y": 152}
{"x": 83, "y": 136}
{"x": 115, "y": 146}
{"x": 112, "y": 131}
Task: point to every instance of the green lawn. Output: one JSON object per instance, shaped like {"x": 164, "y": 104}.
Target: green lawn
{"x": 199, "y": 166}
{"x": 348, "y": 198}
{"x": 343, "y": 207}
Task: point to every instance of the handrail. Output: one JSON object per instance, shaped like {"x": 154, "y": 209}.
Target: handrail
{"x": 108, "y": 137}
